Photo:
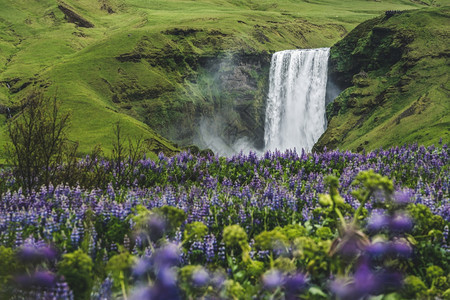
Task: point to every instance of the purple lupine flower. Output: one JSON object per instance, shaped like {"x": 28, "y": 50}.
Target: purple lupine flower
{"x": 35, "y": 253}
{"x": 141, "y": 267}
{"x": 294, "y": 285}
{"x": 63, "y": 291}
{"x": 377, "y": 249}
{"x": 200, "y": 277}
{"x": 165, "y": 285}
{"x": 105, "y": 291}
{"x": 18, "y": 241}
{"x": 366, "y": 281}
{"x": 390, "y": 280}
{"x": 401, "y": 223}
{"x": 126, "y": 242}
{"x": 402, "y": 197}
{"x": 221, "y": 251}
{"x": 445, "y": 234}
{"x": 218, "y": 278}
{"x": 92, "y": 249}
{"x": 44, "y": 279}
{"x": 401, "y": 247}
{"x": 28, "y": 254}
{"x": 113, "y": 247}
{"x": 156, "y": 227}
{"x": 272, "y": 279}
{"x": 141, "y": 293}
{"x": 210, "y": 247}
{"x": 47, "y": 252}
{"x": 377, "y": 222}
{"x": 75, "y": 236}
{"x": 344, "y": 289}
{"x": 167, "y": 256}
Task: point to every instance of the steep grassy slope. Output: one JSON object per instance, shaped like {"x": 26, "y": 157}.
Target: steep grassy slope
{"x": 141, "y": 62}
{"x": 396, "y": 70}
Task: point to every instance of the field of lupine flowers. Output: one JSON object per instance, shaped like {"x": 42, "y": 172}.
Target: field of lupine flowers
{"x": 281, "y": 226}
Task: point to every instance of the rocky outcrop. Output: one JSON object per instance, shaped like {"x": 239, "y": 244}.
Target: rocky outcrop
{"x": 241, "y": 80}
{"x": 72, "y": 17}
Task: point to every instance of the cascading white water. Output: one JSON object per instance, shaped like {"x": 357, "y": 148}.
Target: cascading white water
{"x": 295, "y": 110}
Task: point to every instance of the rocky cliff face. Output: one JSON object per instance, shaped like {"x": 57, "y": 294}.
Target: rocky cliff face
{"x": 393, "y": 71}
{"x": 230, "y": 92}
{"x": 224, "y": 91}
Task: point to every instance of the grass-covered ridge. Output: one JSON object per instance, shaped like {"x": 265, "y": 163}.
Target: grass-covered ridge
{"x": 130, "y": 60}
{"x": 395, "y": 71}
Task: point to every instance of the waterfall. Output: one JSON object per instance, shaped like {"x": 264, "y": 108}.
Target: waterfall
{"x": 295, "y": 109}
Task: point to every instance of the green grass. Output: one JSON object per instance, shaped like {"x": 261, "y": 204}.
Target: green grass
{"x": 401, "y": 102}
{"x": 79, "y": 65}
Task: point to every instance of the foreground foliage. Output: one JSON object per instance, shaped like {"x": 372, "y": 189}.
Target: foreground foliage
{"x": 280, "y": 226}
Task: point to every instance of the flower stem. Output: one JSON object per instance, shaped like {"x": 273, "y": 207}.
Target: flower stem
{"x": 122, "y": 285}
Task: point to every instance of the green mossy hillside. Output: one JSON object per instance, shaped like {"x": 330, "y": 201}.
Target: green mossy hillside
{"x": 394, "y": 71}
{"x": 148, "y": 64}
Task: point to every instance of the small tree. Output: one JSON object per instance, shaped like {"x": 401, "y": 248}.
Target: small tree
{"x": 125, "y": 154}
{"x": 38, "y": 140}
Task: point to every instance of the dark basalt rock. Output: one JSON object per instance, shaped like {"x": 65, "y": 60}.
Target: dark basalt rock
{"x": 73, "y": 17}
{"x": 181, "y": 31}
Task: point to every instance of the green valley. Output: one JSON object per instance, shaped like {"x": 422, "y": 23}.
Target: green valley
{"x": 148, "y": 64}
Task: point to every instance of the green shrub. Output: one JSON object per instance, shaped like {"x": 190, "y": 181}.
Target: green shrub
{"x": 195, "y": 231}
{"x": 270, "y": 240}
{"x": 8, "y": 267}
{"x": 77, "y": 268}
{"x": 414, "y": 287}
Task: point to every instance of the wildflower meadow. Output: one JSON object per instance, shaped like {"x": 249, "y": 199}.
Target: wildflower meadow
{"x": 331, "y": 225}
